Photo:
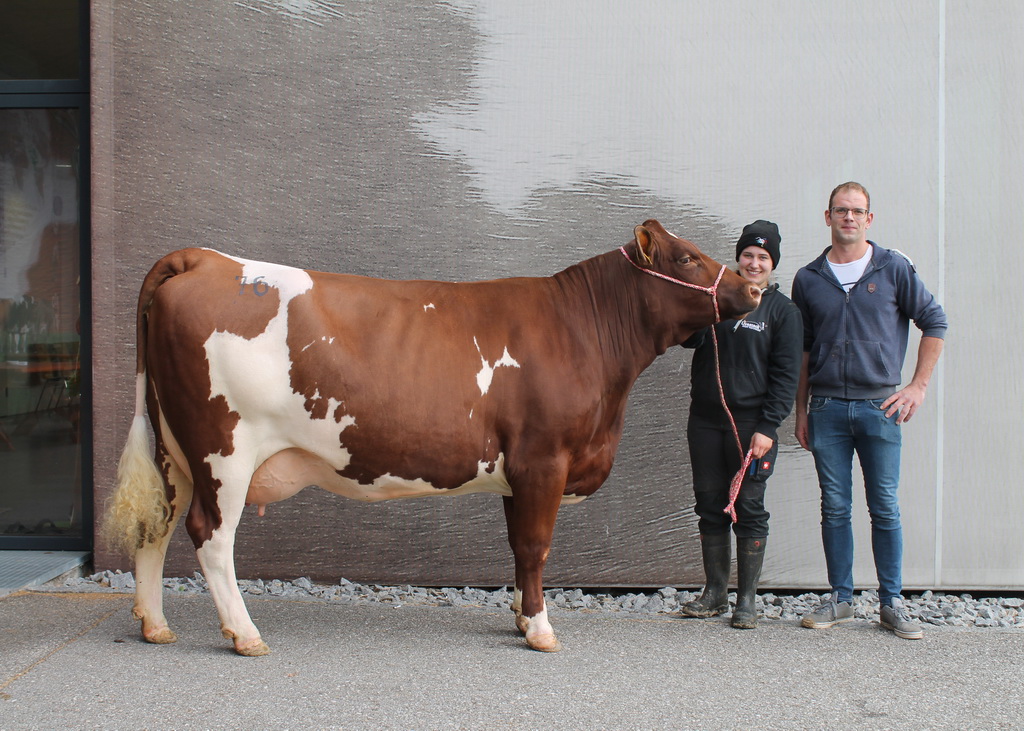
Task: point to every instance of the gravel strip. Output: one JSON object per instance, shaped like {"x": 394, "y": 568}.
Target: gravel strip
{"x": 935, "y": 608}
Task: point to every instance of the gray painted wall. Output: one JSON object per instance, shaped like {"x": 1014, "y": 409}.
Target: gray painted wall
{"x": 466, "y": 140}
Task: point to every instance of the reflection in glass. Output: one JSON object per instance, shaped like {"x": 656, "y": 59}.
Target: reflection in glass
{"x": 39, "y": 39}
{"x": 40, "y": 457}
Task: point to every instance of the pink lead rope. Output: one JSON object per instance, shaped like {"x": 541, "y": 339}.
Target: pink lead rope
{"x": 737, "y": 480}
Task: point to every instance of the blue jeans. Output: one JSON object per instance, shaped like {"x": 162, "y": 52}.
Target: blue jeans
{"x": 836, "y": 429}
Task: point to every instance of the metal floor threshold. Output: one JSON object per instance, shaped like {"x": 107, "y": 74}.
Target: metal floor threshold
{"x": 25, "y": 569}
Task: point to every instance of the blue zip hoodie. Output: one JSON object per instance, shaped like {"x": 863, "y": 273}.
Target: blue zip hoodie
{"x": 857, "y": 340}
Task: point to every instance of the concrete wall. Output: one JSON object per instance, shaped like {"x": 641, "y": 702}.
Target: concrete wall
{"x": 464, "y": 140}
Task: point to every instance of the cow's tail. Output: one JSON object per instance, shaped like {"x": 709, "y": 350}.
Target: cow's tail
{"x": 139, "y": 512}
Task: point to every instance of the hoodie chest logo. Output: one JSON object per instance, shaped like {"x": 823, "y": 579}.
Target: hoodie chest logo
{"x": 758, "y": 326}
{"x": 872, "y": 287}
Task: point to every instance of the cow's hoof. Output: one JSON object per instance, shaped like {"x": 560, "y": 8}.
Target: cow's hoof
{"x": 544, "y": 643}
{"x": 253, "y": 649}
{"x": 160, "y": 636}
{"x": 522, "y": 624}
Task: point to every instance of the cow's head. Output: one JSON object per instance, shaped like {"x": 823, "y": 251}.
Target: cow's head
{"x": 660, "y": 252}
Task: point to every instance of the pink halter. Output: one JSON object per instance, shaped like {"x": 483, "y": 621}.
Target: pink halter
{"x": 712, "y": 290}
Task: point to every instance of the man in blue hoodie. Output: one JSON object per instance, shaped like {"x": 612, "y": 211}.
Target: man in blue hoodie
{"x": 857, "y": 300}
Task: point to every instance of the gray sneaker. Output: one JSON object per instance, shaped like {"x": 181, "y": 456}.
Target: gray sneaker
{"x": 897, "y": 618}
{"x": 828, "y": 614}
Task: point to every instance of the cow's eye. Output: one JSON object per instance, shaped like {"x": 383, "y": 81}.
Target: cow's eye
{"x": 683, "y": 260}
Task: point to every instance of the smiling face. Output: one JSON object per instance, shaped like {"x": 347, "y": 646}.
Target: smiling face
{"x": 755, "y": 265}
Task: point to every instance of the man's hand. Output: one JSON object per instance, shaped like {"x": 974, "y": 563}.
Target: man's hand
{"x": 910, "y": 398}
{"x": 906, "y": 402}
{"x": 803, "y": 394}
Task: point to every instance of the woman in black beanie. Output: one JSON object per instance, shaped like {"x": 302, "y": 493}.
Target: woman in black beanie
{"x": 760, "y": 367}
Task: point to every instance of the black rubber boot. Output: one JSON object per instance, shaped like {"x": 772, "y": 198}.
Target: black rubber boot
{"x": 714, "y": 600}
{"x": 749, "y": 559}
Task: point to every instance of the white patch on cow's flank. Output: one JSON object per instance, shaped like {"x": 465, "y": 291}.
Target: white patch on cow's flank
{"x": 486, "y": 374}
{"x": 323, "y": 339}
{"x": 346, "y": 421}
{"x": 429, "y": 306}
{"x": 253, "y": 376}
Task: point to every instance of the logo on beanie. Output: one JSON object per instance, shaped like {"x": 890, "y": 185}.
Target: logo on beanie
{"x": 761, "y": 241}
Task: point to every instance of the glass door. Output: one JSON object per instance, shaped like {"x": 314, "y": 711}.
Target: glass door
{"x": 42, "y": 491}
{"x": 45, "y": 417}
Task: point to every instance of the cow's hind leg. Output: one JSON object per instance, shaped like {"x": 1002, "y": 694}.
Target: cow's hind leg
{"x": 149, "y": 565}
{"x": 215, "y": 550}
{"x": 530, "y": 515}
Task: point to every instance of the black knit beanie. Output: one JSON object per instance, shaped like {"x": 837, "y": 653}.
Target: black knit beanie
{"x": 764, "y": 234}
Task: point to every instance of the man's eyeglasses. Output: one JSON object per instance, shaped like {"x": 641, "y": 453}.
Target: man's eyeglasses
{"x": 858, "y": 213}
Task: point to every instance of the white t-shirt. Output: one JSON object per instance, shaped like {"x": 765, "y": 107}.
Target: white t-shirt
{"x": 850, "y": 273}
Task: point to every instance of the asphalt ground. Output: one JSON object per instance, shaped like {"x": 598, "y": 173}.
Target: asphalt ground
{"x": 76, "y": 661}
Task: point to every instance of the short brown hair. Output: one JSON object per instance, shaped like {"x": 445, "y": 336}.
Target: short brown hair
{"x": 852, "y": 186}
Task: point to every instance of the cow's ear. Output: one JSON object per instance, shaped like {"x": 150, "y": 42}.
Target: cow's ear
{"x": 644, "y": 243}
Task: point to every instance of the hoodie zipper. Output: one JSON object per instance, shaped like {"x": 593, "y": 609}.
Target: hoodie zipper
{"x": 870, "y": 268}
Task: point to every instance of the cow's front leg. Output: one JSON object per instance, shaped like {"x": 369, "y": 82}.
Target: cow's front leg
{"x": 517, "y": 594}
{"x": 530, "y": 515}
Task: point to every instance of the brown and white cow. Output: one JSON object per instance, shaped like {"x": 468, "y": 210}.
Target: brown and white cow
{"x": 262, "y": 379}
